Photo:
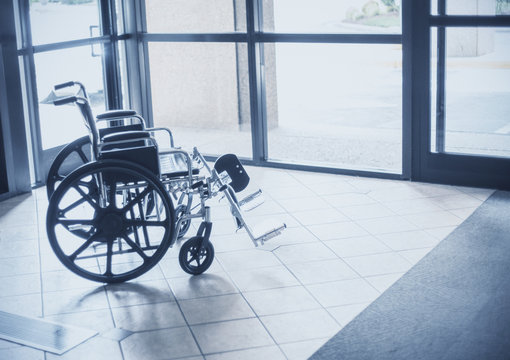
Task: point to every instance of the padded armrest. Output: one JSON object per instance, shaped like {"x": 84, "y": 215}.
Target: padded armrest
{"x": 115, "y": 114}
{"x": 126, "y": 135}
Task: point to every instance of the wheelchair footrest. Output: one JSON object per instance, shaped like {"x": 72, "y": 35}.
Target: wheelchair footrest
{"x": 265, "y": 232}
{"x": 252, "y": 201}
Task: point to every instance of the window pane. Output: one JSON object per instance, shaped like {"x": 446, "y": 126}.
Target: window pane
{"x": 200, "y": 91}
{"x": 65, "y": 20}
{"x": 477, "y": 7}
{"x": 195, "y": 16}
{"x": 335, "y": 105}
{"x": 477, "y": 91}
{"x": 63, "y": 124}
{"x": 332, "y": 16}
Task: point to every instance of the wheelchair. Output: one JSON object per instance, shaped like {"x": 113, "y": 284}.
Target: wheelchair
{"x": 113, "y": 218}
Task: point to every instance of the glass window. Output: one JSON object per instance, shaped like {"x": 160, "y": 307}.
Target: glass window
{"x": 332, "y": 16}
{"x": 200, "y": 91}
{"x": 335, "y": 105}
{"x": 473, "y": 7}
{"x": 195, "y": 16}
{"x": 63, "y": 124}
{"x": 56, "y": 21}
{"x": 477, "y": 91}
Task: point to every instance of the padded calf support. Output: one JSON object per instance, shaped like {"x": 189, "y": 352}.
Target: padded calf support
{"x": 231, "y": 164}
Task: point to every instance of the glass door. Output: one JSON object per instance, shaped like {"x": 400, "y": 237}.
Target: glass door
{"x": 63, "y": 41}
{"x": 470, "y": 93}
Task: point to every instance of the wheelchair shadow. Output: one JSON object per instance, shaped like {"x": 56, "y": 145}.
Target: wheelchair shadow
{"x": 205, "y": 285}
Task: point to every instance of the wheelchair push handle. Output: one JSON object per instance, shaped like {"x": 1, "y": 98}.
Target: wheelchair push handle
{"x": 81, "y": 92}
{"x": 63, "y": 85}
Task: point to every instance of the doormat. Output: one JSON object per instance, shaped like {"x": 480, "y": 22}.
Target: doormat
{"x": 41, "y": 334}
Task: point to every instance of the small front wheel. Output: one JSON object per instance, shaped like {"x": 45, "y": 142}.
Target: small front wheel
{"x": 195, "y": 259}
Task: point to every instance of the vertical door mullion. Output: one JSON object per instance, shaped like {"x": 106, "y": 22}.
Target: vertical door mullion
{"x": 254, "y": 72}
{"x": 440, "y": 95}
{"x": 31, "y": 92}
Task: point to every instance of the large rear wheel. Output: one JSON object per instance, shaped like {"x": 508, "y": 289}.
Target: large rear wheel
{"x": 122, "y": 240}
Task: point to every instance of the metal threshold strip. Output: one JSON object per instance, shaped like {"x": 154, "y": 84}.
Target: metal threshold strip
{"x": 42, "y": 334}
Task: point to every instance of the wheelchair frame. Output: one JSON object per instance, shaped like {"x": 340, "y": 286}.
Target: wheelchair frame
{"x": 115, "y": 176}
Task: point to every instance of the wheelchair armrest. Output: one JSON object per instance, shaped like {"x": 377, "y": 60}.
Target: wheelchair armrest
{"x": 116, "y": 114}
{"x": 165, "y": 130}
{"x": 126, "y": 135}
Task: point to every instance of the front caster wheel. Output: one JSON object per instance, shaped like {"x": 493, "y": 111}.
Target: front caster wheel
{"x": 193, "y": 259}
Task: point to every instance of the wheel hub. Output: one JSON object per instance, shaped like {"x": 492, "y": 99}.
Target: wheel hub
{"x": 111, "y": 224}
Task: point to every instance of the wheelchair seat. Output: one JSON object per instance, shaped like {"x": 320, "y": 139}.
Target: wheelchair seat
{"x": 174, "y": 165}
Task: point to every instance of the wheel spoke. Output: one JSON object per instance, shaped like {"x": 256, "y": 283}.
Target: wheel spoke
{"x": 73, "y": 205}
{"x": 145, "y": 223}
{"x": 82, "y": 248}
{"x": 109, "y": 257}
{"x": 87, "y": 197}
{"x": 137, "y": 199}
{"x": 112, "y": 189}
{"x": 82, "y": 155}
{"x": 67, "y": 222}
{"x": 135, "y": 247}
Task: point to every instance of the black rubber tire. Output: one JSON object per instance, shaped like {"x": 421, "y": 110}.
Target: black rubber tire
{"x": 180, "y": 210}
{"x": 100, "y": 220}
{"x": 190, "y": 252}
{"x": 58, "y": 172}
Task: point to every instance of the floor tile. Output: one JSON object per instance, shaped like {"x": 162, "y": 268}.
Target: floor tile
{"x": 343, "y": 292}
{"x": 349, "y": 199}
{"x": 202, "y": 286}
{"x": 370, "y": 211}
{"x": 215, "y": 309}
{"x": 231, "y": 335}
{"x": 290, "y": 192}
{"x": 337, "y": 230}
{"x": 304, "y": 204}
{"x": 333, "y": 187}
{"x": 263, "y": 278}
{"x": 301, "y": 326}
{"x": 103, "y": 349}
{"x": 451, "y": 202}
{"x": 247, "y": 259}
{"x": 383, "y": 282}
{"x": 314, "y": 217}
{"x": 413, "y": 256}
{"x": 21, "y": 353}
{"x": 386, "y": 225}
{"x": 345, "y": 313}
{"x": 304, "y": 252}
{"x": 138, "y": 293}
{"x": 27, "y": 305}
{"x": 408, "y": 240}
{"x": 14, "y": 249}
{"x": 19, "y": 265}
{"x": 356, "y": 246}
{"x": 416, "y": 206}
{"x": 282, "y": 300}
{"x": 68, "y": 301}
{"x": 64, "y": 280}
{"x": 266, "y": 352}
{"x": 160, "y": 344}
{"x": 378, "y": 264}
{"x": 98, "y": 320}
{"x": 302, "y": 350}
{"x": 20, "y": 285}
{"x": 322, "y": 271}
{"x": 434, "y": 219}
{"x": 148, "y": 317}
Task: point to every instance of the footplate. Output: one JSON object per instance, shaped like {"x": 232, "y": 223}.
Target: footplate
{"x": 268, "y": 234}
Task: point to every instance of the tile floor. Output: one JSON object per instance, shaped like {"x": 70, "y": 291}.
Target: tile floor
{"x": 348, "y": 240}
